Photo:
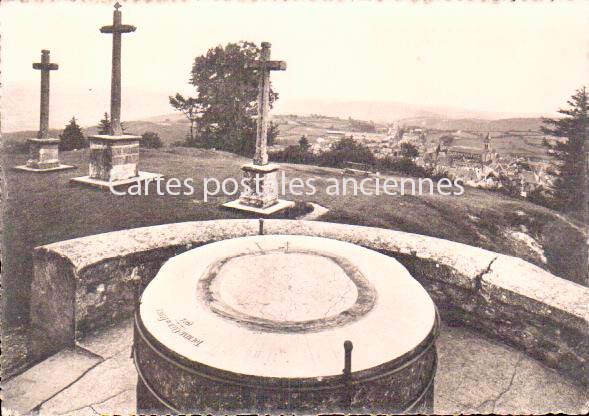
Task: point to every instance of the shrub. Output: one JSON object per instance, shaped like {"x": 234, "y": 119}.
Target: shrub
{"x": 151, "y": 140}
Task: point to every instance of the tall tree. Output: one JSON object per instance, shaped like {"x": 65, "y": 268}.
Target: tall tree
{"x": 192, "y": 110}
{"x": 228, "y": 90}
{"x": 104, "y": 125}
{"x": 72, "y": 137}
{"x": 570, "y": 186}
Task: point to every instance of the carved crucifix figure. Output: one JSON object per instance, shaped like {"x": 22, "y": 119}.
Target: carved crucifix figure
{"x": 264, "y": 65}
{"x": 117, "y": 29}
{"x": 45, "y": 66}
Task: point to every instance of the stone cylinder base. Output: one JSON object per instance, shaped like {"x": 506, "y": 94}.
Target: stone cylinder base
{"x": 264, "y": 324}
{"x": 114, "y": 158}
{"x": 167, "y": 383}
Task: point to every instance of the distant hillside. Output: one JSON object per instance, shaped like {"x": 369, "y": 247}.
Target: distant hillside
{"x": 385, "y": 111}
{"x": 170, "y": 132}
{"x": 173, "y": 127}
{"x": 468, "y": 124}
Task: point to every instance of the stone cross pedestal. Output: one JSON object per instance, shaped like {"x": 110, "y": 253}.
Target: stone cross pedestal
{"x": 114, "y": 157}
{"x": 260, "y": 193}
{"x": 43, "y": 150}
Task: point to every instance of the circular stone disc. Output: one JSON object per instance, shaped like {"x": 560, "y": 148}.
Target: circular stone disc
{"x": 282, "y": 306}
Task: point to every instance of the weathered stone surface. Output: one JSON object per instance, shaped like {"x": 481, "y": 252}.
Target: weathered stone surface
{"x": 504, "y": 297}
{"x": 117, "y": 29}
{"x": 114, "y": 158}
{"x": 123, "y": 403}
{"x": 102, "y": 383}
{"x": 518, "y": 283}
{"x": 45, "y": 66}
{"x": 199, "y": 393}
{"x": 52, "y": 305}
{"x": 472, "y": 369}
{"x": 260, "y": 186}
{"x": 25, "y": 392}
{"x": 142, "y": 177}
{"x": 535, "y": 389}
{"x": 109, "y": 341}
{"x": 264, "y": 66}
{"x": 146, "y": 242}
{"x": 43, "y": 153}
{"x": 532, "y": 310}
{"x": 479, "y": 375}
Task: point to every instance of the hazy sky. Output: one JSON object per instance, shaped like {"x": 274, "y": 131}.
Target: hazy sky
{"x": 510, "y": 58}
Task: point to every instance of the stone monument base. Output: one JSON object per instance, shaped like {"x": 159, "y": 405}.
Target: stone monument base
{"x": 99, "y": 183}
{"x": 260, "y": 194}
{"x": 59, "y": 167}
{"x": 114, "y": 162}
{"x": 43, "y": 157}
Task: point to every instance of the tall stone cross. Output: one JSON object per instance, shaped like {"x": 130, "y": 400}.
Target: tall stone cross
{"x": 46, "y": 67}
{"x": 265, "y": 65}
{"x": 117, "y": 29}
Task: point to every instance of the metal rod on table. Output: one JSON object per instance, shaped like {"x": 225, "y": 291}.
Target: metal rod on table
{"x": 348, "y": 346}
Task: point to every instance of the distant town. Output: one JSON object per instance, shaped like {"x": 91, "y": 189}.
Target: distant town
{"x": 479, "y": 159}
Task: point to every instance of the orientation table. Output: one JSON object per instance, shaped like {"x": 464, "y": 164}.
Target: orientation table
{"x": 281, "y": 323}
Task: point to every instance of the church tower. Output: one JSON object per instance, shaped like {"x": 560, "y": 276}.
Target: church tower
{"x": 488, "y": 155}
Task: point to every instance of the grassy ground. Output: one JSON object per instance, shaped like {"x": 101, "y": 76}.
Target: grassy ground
{"x": 44, "y": 208}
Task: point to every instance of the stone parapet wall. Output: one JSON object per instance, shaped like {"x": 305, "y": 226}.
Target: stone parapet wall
{"x": 87, "y": 283}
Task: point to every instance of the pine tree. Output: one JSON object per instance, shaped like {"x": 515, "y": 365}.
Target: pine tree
{"x": 304, "y": 143}
{"x": 72, "y": 137}
{"x": 570, "y": 186}
{"x": 104, "y": 125}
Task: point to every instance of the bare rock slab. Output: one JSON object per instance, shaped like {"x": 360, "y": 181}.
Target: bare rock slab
{"x": 26, "y": 392}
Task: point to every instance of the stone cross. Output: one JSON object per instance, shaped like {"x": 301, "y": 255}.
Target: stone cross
{"x": 265, "y": 65}
{"x": 45, "y": 66}
{"x": 117, "y": 29}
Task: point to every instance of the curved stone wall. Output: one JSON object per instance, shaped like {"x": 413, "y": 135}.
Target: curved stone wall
{"x": 84, "y": 284}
